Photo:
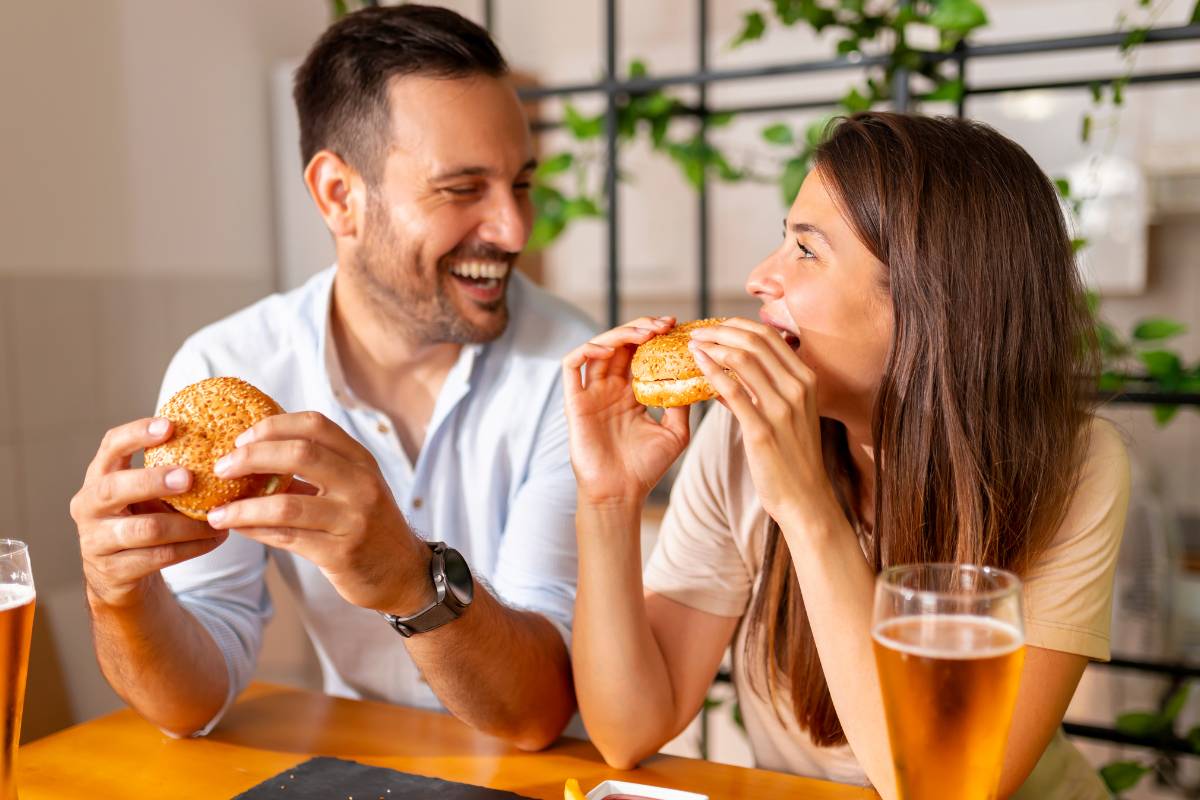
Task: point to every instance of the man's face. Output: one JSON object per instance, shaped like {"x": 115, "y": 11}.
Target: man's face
{"x": 450, "y": 210}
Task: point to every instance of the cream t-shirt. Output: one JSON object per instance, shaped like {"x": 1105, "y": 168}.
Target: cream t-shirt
{"x": 709, "y": 554}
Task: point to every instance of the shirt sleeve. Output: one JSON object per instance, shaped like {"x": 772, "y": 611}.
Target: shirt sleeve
{"x": 536, "y": 566}
{"x": 1068, "y": 591}
{"x": 696, "y": 560}
{"x": 225, "y": 589}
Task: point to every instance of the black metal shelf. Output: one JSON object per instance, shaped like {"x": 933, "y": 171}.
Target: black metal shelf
{"x": 614, "y": 89}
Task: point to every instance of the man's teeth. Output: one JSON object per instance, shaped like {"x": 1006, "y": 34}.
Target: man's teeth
{"x": 480, "y": 270}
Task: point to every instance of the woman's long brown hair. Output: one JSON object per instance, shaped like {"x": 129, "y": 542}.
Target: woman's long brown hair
{"x": 980, "y": 418}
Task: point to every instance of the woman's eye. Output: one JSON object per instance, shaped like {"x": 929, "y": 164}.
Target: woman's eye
{"x": 804, "y": 251}
{"x": 522, "y": 186}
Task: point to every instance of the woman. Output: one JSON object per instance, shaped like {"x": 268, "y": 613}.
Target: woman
{"x": 927, "y": 402}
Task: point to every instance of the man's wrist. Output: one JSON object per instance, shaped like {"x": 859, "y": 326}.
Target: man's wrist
{"x": 417, "y": 590}
{"x": 129, "y": 597}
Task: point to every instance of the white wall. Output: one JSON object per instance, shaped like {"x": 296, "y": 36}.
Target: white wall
{"x": 137, "y": 207}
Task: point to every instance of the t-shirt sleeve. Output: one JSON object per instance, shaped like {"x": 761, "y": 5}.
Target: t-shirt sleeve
{"x": 696, "y": 560}
{"x": 1068, "y": 591}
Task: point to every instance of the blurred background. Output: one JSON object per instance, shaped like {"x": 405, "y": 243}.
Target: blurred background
{"x": 153, "y": 186}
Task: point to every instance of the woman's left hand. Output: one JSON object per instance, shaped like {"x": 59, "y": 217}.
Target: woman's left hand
{"x": 775, "y": 400}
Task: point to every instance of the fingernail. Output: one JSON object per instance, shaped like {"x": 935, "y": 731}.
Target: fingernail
{"x": 222, "y": 465}
{"x": 176, "y": 479}
{"x": 246, "y": 437}
{"x": 157, "y": 427}
{"x": 216, "y": 515}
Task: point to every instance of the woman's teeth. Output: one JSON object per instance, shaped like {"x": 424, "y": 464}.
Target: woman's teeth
{"x": 480, "y": 270}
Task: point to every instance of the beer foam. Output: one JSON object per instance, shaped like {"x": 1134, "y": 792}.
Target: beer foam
{"x": 949, "y": 636}
{"x": 13, "y": 595}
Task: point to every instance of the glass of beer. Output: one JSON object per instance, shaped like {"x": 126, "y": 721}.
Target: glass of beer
{"x": 16, "y": 626}
{"x": 949, "y": 645}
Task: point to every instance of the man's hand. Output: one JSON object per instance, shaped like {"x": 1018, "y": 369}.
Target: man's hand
{"x": 341, "y": 516}
{"x": 126, "y": 533}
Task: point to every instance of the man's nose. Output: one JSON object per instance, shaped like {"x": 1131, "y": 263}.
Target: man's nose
{"x": 507, "y": 225}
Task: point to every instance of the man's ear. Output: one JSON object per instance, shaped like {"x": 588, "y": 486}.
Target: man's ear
{"x": 338, "y": 191}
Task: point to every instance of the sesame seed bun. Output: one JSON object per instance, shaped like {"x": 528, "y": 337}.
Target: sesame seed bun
{"x": 208, "y": 417}
{"x": 664, "y": 372}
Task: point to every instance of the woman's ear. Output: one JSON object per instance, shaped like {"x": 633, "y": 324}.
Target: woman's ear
{"x": 338, "y": 191}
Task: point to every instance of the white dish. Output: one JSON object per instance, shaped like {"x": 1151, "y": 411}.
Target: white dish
{"x": 624, "y": 787}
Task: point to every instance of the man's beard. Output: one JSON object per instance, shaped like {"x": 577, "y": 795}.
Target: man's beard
{"x": 419, "y": 299}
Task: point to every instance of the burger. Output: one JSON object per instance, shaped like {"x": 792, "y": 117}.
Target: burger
{"x": 208, "y": 417}
{"x": 664, "y": 372}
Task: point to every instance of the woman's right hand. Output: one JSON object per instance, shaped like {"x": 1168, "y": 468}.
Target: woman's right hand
{"x": 618, "y": 451}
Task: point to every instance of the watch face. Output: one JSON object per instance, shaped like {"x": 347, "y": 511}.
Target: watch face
{"x": 458, "y": 577}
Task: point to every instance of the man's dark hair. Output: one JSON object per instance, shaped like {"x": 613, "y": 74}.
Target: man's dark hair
{"x": 341, "y": 89}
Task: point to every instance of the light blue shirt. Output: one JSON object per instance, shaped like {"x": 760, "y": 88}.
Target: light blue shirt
{"x": 493, "y": 479}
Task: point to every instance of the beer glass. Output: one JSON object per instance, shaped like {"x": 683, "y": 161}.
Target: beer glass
{"x": 949, "y": 645}
{"x": 16, "y": 626}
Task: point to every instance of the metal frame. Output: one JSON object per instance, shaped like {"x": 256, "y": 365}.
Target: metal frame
{"x": 614, "y": 89}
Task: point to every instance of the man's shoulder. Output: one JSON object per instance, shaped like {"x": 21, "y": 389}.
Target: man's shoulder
{"x": 280, "y": 321}
{"x": 544, "y": 326}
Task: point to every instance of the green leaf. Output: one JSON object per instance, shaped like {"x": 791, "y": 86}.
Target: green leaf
{"x": 693, "y": 170}
{"x": 637, "y": 68}
{"x": 753, "y": 26}
{"x": 554, "y": 165}
{"x": 582, "y": 127}
{"x": 1122, "y": 775}
{"x": 1133, "y": 39}
{"x": 847, "y": 46}
{"x": 1097, "y": 90}
{"x": 545, "y": 230}
{"x": 854, "y": 101}
{"x": 1195, "y": 19}
{"x": 720, "y": 120}
{"x": 957, "y": 16}
{"x": 1078, "y": 244}
{"x": 1193, "y": 736}
{"x": 1158, "y": 328}
{"x": 1164, "y": 414}
{"x": 1141, "y": 723}
{"x": 1111, "y": 382}
{"x": 1118, "y": 90}
{"x": 1086, "y": 133}
{"x": 1163, "y": 365}
{"x": 737, "y": 716}
{"x": 794, "y": 173}
{"x": 658, "y": 130}
{"x": 779, "y": 133}
{"x": 1092, "y": 298}
{"x": 1063, "y": 186}
{"x": 1111, "y": 343}
{"x": 339, "y": 8}
{"x": 814, "y": 134}
{"x": 1176, "y": 701}
{"x": 710, "y": 703}
{"x": 948, "y": 90}
{"x": 578, "y": 207}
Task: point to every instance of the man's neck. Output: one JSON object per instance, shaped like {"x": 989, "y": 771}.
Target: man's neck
{"x": 384, "y": 365}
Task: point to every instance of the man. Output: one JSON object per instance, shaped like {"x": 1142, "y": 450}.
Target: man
{"x": 429, "y": 376}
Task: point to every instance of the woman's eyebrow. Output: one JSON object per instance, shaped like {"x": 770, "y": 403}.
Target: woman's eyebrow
{"x": 804, "y": 227}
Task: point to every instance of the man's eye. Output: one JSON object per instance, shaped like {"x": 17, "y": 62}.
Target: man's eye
{"x": 522, "y": 186}
{"x": 461, "y": 191}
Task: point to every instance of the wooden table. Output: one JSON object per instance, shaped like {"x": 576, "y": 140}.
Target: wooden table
{"x": 272, "y": 728}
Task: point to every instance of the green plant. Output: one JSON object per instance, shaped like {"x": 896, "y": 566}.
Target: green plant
{"x": 1157, "y": 727}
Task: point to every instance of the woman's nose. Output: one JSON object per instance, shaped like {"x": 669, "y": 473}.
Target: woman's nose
{"x": 764, "y": 283}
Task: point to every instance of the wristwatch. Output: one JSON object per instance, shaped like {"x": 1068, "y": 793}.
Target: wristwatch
{"x": 455, "y": 589}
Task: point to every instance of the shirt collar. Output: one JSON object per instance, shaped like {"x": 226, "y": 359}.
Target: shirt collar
{"x": 457, "y": 381}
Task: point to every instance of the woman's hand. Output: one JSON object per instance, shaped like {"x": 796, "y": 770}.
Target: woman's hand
{"x": 618, "y": 451}
{"x": 775, "y": 401}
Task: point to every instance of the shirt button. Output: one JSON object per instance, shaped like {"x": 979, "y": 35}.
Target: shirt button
{"x": 417, "y": 502}
{"x": 382, "y": 428}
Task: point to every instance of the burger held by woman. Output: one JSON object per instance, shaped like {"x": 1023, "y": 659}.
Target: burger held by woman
{"x": 916, "y": 390}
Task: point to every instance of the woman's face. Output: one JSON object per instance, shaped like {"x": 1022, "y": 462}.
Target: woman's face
{"x": 824, "y": 288}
